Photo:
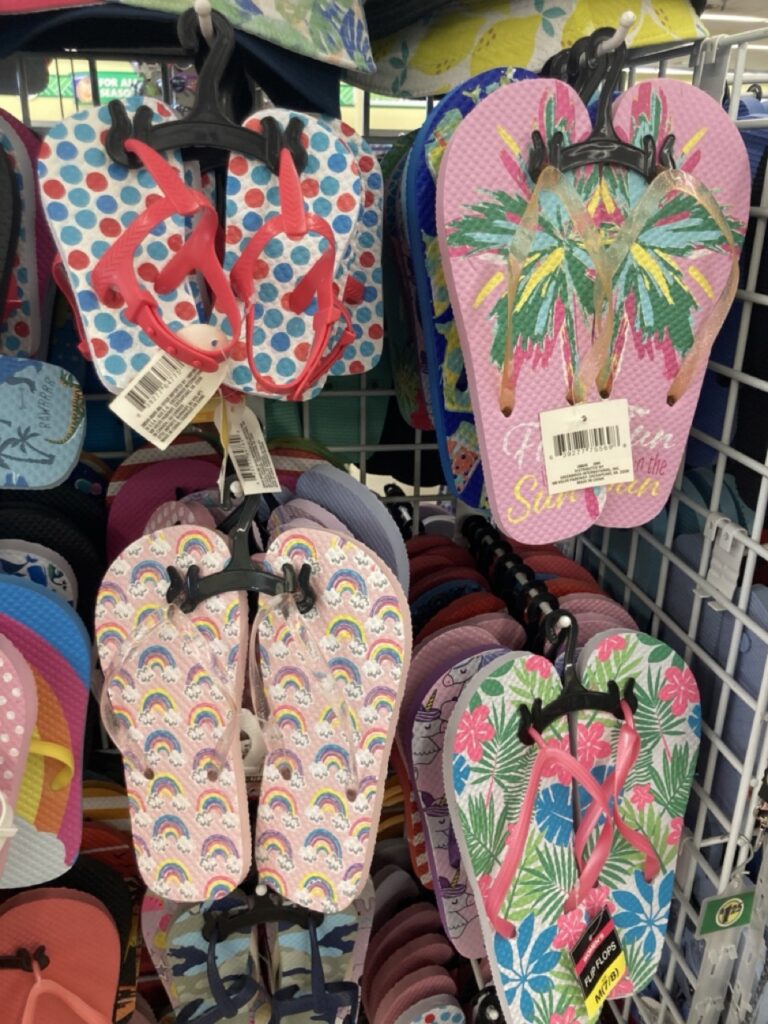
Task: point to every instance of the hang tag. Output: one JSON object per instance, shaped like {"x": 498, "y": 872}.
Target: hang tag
{"x": 599, "y": 962}
{"x": 724, "y": 913}
{"x": 248, "y": 450}
{"x": 587, "y": 445}
{"x": 725, "y": 562}
{"x": 165, "y": 397}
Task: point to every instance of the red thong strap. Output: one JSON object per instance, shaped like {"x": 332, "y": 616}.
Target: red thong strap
{"x": 317, "y": 283}
{"x": 115, "y": 274}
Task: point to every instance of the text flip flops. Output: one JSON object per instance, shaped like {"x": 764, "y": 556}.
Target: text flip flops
{"x": 675, "y": 268}
{"x": 333, "y": 680}
{"x": 518, "y": 258}
{"x": 171, "y": 700}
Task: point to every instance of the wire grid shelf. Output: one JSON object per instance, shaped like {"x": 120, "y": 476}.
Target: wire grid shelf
{"x": 717, "y": 840}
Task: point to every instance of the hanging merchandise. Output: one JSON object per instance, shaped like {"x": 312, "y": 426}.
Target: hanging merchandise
{"x": 548, "y": 321}
{"x": 450, "y": 400}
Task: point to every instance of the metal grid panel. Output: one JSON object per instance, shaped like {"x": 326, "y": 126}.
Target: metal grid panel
{"x": 720, "y": 838}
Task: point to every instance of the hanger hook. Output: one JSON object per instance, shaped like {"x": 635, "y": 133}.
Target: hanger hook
{"x": 626, "y": 21}
{"x": 205, "y": 21}
{"x": 561, "y": 627}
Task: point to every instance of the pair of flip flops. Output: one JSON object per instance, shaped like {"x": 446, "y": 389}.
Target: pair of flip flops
{"x": 254, "y": 958}
{"x": 298, "y": 292}
{"x": 46, "y": 654}
{"x": 512, "y": 810}
{"x": 327, "y": 685}
{"x": 545, "y": 322}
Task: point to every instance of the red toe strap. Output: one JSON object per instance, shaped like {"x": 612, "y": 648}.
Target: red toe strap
{"x": 115, "y": 273}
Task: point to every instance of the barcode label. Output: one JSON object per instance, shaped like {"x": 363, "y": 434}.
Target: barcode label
{"x": 249, "y": 453}
{"x": 587, "y": 446}
{"x": 587, "y": 440}
{"x": 164, "y": 397}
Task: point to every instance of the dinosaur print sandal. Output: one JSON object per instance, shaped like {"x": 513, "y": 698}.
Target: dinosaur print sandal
{"x": 170, "y": 699}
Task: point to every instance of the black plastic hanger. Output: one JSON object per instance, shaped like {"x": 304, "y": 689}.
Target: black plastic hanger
{"x": 208, "y": 128}
{"x": 603, "y": 146}
{"x": 221, "y": 925}
{"x": 574, "y": 696}
{"x": 240, "y": 573}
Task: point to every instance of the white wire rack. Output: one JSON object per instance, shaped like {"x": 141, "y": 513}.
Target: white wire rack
{"x": 692, "y": 984}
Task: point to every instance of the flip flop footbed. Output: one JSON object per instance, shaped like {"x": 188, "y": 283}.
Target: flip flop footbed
{"x": 333, "y": 679}
{"x": 450, "y": 399}
{"x": 18, "y": 715}
{"x": 692, "y": 228}
{"x": 186, "y": 446}
{"x": 434, "y": 706}
{"x": 655, "y": 795}
{"x": 24, "y": 330}
{"x": 332, "y": 190}
{"x": 49, "y": 801}
{"x": 42, "y": 425}
{"x": 174, "y": 689}
{"x": 429, "y": 1011}
{"x": 40, "y": 565}
{"x": 82, "y": 945}
{"x": 363, "y": 259}
{"x": 186, "y": 954}
{"x": 89, "y": 200}
{"x": 490, "y": 768}
{"x": 519, "y": 366}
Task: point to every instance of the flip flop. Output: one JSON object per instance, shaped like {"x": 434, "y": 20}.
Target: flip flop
{"x": 42, "y": 425}
{"x": 427, "y": 1011}
{"x": 211, "y": 965}
{"x": 518, "y": 369}
{"x": 40, "y": 565}
{"x": 514, "y": 826}
{"x": 287, "y": 242}
{"x": 460, "y": 610}
{"x": 25, "y": 324}
{"x": 428, "y": 950}
{"x": 438, "y": 597}
{"x": 93, "y": 209}
{"x": 324, "y": 775}
{"x": 74, "y": 947}
{"x": 424, "y": 983}
{"x": 416, "y": 920}
{"x": 449, "y": 398}
{"x": 435, "y": 702}
{"x": 171, "y": 697}
{"x": 690, "y": 222}
{"x": 153, "y": 485}
{"x": 10, "y": 222}
{"x": 49, "y": 802}
{"x": 365, "y": 515}
{"x": 186, "y": 446}
{"x": 653, "y": 793}
{"x": 18, "y": 715}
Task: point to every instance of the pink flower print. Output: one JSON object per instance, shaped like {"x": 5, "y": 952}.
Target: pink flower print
{"x": 675, "y": 831}
{"x": 680, "y": 688}
{"x": 642, "y": 796}
{"x": 596, "y": 899}
{"x": 474, "y": 730}
{"x": 539, "y": 664}
{"x": 590, "y": 745}
{"x": 570, "y": 928}
{"x": 556, "y": 770}
{"x": 611, "y": 643}
{"x": 569, "y": 1017}
{"x": 625, "y": 987}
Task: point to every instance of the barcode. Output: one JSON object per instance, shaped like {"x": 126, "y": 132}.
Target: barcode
{"x": 143, "y": 390}
{"x": 238, "y": 449}
{"x": 578, "y": 441}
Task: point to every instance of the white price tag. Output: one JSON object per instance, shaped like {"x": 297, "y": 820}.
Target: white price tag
{"x": 248, "y": 451}
{"x": 164, "y": 398}
{"x": 587, "y": 445}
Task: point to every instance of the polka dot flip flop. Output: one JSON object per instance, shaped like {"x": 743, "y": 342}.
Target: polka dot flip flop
{"x": 291, "y": 287}
{"x": 96, "y": 207}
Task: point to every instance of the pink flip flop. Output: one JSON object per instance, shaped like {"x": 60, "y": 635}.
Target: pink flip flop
{"x": 18, "y": 715}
